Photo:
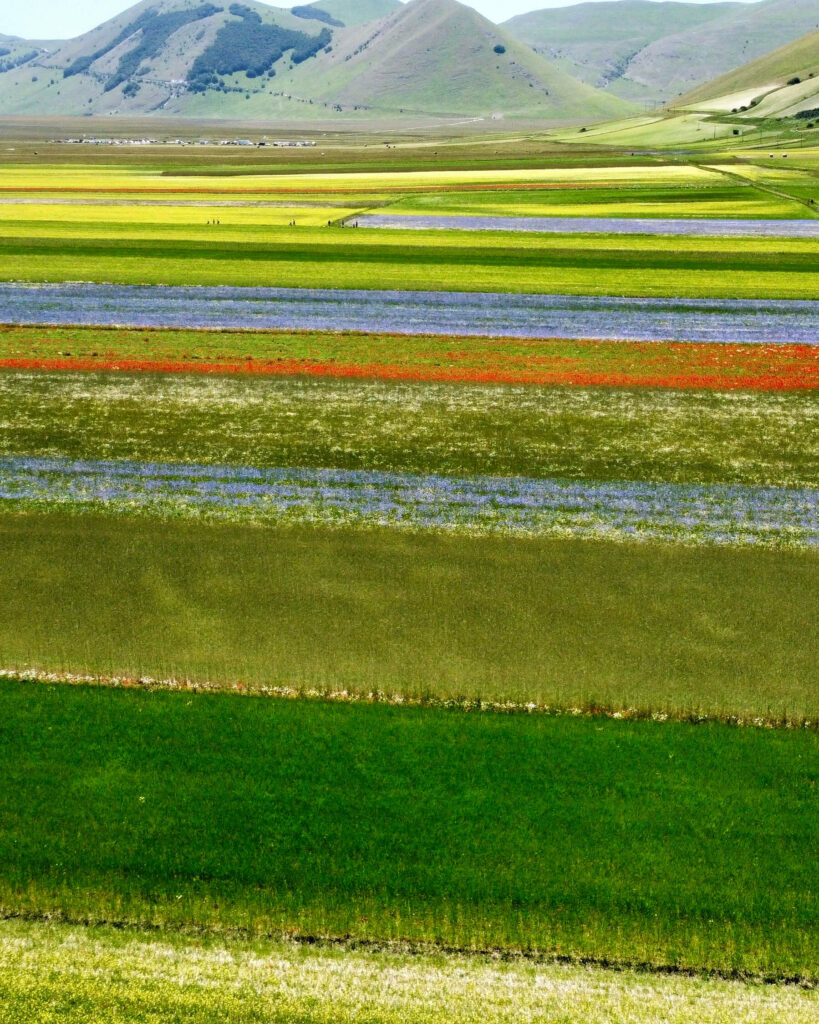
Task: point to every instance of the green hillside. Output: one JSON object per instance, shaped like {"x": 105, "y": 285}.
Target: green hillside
{"x": 657, "y": 51}
{"x": 438, "y": 56}
{"x": 781, "y": 83}
{"x": 158, "y": 56}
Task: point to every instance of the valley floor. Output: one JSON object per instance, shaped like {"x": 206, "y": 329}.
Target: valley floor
{"x": 451, "y": 658}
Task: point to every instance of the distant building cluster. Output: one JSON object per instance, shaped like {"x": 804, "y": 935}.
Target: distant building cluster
{"x": 181, "y": 142}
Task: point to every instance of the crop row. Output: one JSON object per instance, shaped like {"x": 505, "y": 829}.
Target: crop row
{"x": 468, "y": 313}
{"x": 456, "y": 359}
{"x": 743, "y": 437}
{"x": 701, "y": 227}
{"x": 615, "y": 511}
{"x": 172, "y": 977}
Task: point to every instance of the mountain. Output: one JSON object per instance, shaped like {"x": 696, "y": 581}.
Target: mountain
{"x": 247, "y": 60}
{"x": 596, "y": 42}
{"x": 154, "y": 54}
{"x": 783, "y": 83}
{"x": 657, "y": 51}
{"x": 438, "y": 56}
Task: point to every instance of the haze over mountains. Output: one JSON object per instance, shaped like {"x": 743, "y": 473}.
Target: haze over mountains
{"x": 784, "y": 83}
{"x": 655, "y": 52}
{"x": 379, "y": 58}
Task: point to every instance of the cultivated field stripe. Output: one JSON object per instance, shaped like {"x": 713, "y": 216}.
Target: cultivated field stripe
{"x": 639, "y": 511}
{"x": 578, "y": 837}
{"x": 489, "y": 314}
{"x": 701, "y": 227}
{"x": 223, "y": 604}
{"x": 64, "y": 972}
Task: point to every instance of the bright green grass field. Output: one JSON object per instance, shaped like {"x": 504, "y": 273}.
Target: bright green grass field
{"x": 64, "y": 974}
{"x": 580, "y": 433}
{"x": 367, "y": 258}
{"x": 725, "y": 631}
{"x": 675, "y": 845}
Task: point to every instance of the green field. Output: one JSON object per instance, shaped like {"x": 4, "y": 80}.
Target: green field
{"x": 50, "y": 973}
{"x": 425, "y": 427}
{"x": 333, "y": 258}
{"x": 612, "y": 839}
{"x": 713, "y": 200}
{"x": 672, "y": 629}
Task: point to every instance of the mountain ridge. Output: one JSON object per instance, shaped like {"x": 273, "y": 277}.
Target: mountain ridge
{"x": 655, "y": 52}
{"x": 251, "y": 61}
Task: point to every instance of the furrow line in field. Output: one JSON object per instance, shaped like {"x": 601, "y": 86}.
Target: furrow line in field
{"x": 409, "y": 947}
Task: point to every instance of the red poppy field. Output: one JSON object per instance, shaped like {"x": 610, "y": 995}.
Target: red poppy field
{"x": 582, "y": 363}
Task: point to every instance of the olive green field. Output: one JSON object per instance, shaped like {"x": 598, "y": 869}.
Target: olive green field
{"x": 725, "y": 632}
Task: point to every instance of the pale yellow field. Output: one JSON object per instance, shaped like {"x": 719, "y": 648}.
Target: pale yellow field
{"x": 76, "y": 975}
{"x": 137, "y": 217}
{"x": 733, "y": 100}
{"x": 96, "y": 179}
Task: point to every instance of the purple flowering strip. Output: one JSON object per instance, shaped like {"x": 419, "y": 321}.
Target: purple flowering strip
{"x": 623, "y": 510}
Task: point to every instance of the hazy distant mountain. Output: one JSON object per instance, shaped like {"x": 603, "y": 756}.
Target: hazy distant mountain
{"x": 246, "y": 60}
{"x": 783, "y": 83}
{"x": 656, "y": 51}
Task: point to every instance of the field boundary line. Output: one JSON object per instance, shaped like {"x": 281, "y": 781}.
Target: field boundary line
{"x": 592, "y": 710}
{"x": 760, "y": 187}
{"x": 350, "y": 943}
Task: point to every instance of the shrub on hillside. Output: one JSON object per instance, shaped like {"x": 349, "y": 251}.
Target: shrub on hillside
{"x": 316, "y": 14}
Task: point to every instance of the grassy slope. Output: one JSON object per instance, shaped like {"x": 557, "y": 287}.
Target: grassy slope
{"x": 71, "y": 975}
{"x": 621, "y": 840}
{"x": 673, "y": 628}
{"x": 773, "y": 70}
{"x": 433, "y": 56}
{"x": 437, "y": 56}
{"x": 626, "y": 21}
{"x": 70, "y": 97}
